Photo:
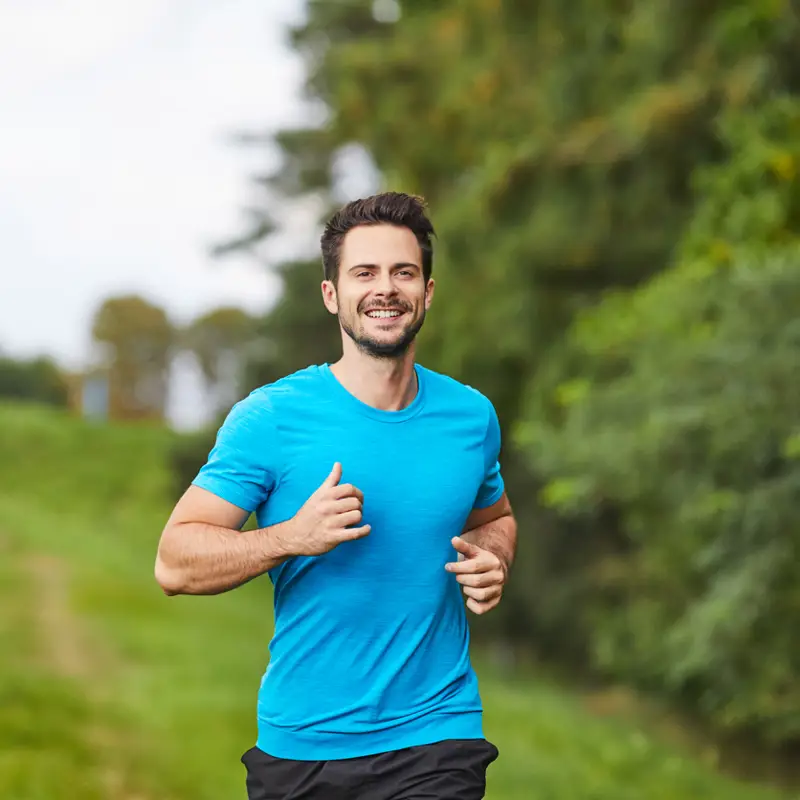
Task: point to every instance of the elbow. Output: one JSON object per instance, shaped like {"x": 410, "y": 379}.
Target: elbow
{"x": 170, "y": 580}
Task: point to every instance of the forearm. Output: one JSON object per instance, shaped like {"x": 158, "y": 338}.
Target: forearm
{"x": 498, "y": 536}
{"x": 196, "y": 558}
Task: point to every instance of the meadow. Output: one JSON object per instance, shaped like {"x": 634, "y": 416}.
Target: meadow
{"x": 109, "y": 689}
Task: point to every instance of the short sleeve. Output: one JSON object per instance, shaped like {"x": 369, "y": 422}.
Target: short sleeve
{"x": 493, "y": 486}
{"x": 243, "y": 462}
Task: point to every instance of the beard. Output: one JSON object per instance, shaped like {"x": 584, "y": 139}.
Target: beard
{"x": 379, "y": 348}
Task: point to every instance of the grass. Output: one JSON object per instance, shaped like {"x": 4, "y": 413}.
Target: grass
{"x": 109, "y": 689}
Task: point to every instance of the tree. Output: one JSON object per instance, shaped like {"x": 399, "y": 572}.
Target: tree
{"x": 137, "y": 340}
{"x": 223, "y": 341}
{"x": 679, "y": 407}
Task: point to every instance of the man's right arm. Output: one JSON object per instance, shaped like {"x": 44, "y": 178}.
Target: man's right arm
{"x": 202, "y": 549}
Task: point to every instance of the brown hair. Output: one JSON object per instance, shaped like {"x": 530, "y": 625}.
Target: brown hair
{"x": 391, "y": 208}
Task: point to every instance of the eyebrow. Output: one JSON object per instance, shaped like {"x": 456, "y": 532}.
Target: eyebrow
{"x": 394, "y": 266}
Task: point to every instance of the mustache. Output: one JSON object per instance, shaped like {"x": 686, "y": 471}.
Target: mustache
{"x": 398, "y": 305}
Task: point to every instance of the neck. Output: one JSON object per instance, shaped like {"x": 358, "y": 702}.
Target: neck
{"x": 388, "y": 384}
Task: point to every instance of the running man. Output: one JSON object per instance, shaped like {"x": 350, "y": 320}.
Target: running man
{"x": 381, "y": 509}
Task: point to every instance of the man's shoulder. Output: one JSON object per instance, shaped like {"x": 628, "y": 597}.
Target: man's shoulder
{"x": 301, "y": 382}
{"x": 454, "y": 391}
{"x": 269, "y": 398}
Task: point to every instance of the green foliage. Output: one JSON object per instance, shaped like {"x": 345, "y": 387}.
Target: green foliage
{"x": 753, "y": 199}
{"x": 688, "y": 439}
{"x": 39, "y": 380}
{"x": 687, "y": 422}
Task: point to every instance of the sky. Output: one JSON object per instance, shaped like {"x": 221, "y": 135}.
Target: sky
{"x": 117, "y": 166}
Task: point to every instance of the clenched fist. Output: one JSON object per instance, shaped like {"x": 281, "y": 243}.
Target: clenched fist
{"x": 326, "y": 518}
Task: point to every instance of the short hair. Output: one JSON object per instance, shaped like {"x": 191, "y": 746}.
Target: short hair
{"x": 391, "y": 208}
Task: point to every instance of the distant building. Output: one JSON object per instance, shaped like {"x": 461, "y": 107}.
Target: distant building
{"x": 89, "y": 394}
{"x": 93, "y": 395}
{"x": 94, "y": 402}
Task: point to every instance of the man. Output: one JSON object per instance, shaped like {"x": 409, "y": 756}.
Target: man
{"x": 379, "y": 501}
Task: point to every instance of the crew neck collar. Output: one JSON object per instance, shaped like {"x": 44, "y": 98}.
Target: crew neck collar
{"x": 382, "y": 415}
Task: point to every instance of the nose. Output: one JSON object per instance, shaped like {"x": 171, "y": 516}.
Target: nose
{"x": 384, "y": 285}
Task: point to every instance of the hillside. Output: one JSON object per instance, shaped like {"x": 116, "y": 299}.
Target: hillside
{"x": 109, "y": 689}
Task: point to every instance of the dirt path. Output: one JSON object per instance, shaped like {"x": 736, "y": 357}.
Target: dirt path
{"x": 62, "y": 640}
{"x": 67, "y": 648}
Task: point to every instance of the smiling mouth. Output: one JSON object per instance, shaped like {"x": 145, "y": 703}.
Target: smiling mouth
{"x": 382, "y": 313}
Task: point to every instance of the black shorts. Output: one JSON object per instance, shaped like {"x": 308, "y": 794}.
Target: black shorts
{"x": 454, "y": 769}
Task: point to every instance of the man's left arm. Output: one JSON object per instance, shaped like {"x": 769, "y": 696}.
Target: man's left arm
{"x": 494, "y": 529}
{"x": 486, "y": 552}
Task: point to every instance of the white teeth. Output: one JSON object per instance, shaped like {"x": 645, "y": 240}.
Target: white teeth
{"x": 383, "y": 314}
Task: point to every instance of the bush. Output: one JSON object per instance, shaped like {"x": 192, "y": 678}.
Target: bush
{"x": 38, "y": 380}
{"x": 686, "y": 417}
{"x": 667, "y": 429}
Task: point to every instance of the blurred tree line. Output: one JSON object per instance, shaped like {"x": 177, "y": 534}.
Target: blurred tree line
{"x": 33, "y": 380}
{"x": 615, "y": 190}
{"x": 136, "y": 346}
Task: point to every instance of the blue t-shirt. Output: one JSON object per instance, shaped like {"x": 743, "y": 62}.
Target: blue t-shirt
{"x": 370, "y": 651}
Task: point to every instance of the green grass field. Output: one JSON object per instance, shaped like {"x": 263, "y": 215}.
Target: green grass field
{"x": 109, "y": 689}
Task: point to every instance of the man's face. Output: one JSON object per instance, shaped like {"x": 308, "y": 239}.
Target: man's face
{"x": 380, "y": 294}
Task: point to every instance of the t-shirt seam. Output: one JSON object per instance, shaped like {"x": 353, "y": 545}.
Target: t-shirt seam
{"x": 487, "y": 407}
{"x": 493, "y": 498}
{"x": 232, "y": 491}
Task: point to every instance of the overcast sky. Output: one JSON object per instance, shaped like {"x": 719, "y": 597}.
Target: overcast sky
{"x": 116, "y": 170}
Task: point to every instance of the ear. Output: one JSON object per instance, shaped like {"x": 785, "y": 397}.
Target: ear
{"x": 329, "y": 297}
{"x": 429, "y": 293}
